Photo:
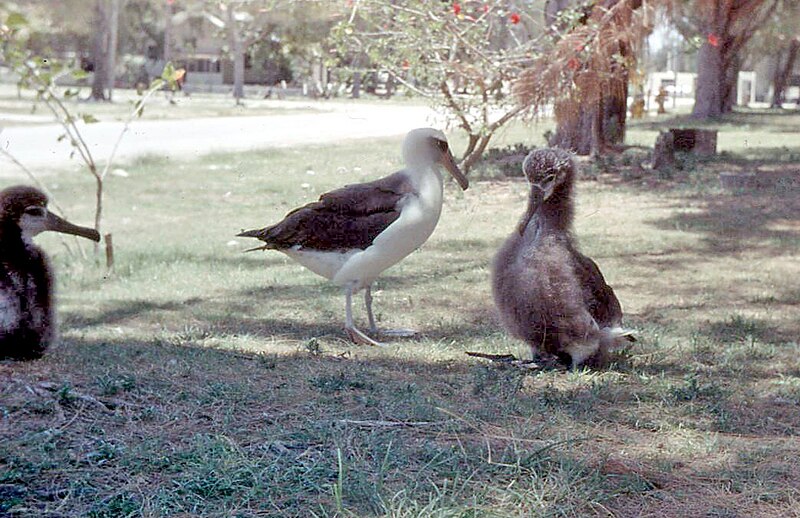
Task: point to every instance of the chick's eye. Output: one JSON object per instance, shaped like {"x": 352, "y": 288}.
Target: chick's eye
{"x": 35, "y": 211}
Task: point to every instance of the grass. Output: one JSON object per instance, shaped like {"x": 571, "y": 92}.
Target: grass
{"x": 21, "y": 108}
{"x": 195, "y": 380}
{"x": 745, "y": 136}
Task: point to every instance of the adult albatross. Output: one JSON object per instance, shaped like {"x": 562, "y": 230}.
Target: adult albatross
{"x": 351, "y": 235}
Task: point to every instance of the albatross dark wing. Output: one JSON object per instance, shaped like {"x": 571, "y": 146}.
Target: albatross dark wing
{"x": 598, "y": 296}
{"x": 347, "y": 218}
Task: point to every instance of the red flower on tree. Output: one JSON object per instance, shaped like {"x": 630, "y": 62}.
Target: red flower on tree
{"x": 485, "y": 8}
{"x": 405, "y": 64}
{"x": 573, "y": 64}
{"x": 713, "y": 39}
{"x": 514, "y": 18}
{"x": 456, "y": 8}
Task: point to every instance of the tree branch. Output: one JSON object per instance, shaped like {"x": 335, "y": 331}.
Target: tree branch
{"x": 126, "y": 127}
{"x": 407, "y": 84}
{"x": 451, "y": 102}
{"x": 49, "y": 194}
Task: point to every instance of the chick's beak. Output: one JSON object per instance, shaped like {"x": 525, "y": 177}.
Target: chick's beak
{"x": 546, "y": 186}
{"x": 57, "y": 224}
{"x": 450, "y": 164}
{"x": 534, "y": 202}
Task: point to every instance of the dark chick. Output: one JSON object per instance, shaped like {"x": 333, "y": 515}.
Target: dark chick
{"x": 548, "y": 293}
{"x": 27, "y": 324}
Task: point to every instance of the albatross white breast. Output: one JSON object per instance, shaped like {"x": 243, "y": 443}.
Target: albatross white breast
{"x": 351, "y": 235}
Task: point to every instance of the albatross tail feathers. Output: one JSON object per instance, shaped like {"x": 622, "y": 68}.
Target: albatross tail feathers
{"x": 618, "y": 337}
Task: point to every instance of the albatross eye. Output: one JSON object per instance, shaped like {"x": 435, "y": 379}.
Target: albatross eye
{"x": 441, "y": 145}
{"x": 37, "y": 212}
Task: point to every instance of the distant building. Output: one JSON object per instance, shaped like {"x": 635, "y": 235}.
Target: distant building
{"x": 682, "y": 85}
{"x": 672, "y": 65}
{"x": 764, "y": 87}
{"x": 198, "y": 47}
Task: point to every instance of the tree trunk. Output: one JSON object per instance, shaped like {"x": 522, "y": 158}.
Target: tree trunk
{"x": 573, "y": 128}
{"x": 590, "y": 129}
{"x": 664, "y": 151}
{"x": 615, "y": 111}
{"x": 99, "y": 48}
{"x": 581, "y": 127}
{"x": 235, "y": 43}
{"x": 731, "y": 86}
{"x": 711, "y": 81}
{"x": 783, "y": 72}
{"x": 238, "y": 75}
{"x": 357, "y": 78}
{"x": 356, "y": 85}
{"x": 598, "y": 130}
{"x": 168, "y": 33}
{"x": 113, "y": 29}
{"x": 778, "y": 82}
{"x": 726, "y": 28}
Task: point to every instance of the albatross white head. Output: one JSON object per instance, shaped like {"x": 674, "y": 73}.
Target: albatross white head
{"x": 425, "y": 148}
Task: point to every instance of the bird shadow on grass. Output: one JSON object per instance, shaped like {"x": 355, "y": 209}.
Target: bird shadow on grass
{"x": 319, "y": 373}
{"x": 737, "y": 328}
{"x": 266, "y": 327}
{"x": 218, "y": 311}
{"x": 171, "y": 417}
{"x": 459, "y": 246}
{"x": 220, "y": 326}
{"x": 122, "y": 311}
{"x": 254, "y": 260}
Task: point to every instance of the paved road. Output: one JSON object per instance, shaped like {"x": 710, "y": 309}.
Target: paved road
{"x": 37, "y": 146}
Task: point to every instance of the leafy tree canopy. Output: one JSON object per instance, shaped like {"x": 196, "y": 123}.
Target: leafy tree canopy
{"x": 461, "y": 55}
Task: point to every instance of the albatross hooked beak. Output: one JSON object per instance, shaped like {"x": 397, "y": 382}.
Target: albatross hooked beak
{"x": 57, "y": 224}
{"x": 547, "y": 186}
{"x": 450, "y": 164}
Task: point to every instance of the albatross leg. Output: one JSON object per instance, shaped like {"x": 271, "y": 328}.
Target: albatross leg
{"x": 355, "y": 335}
{"x": 581, "y": 352}
{"x": 373, "y": 328}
